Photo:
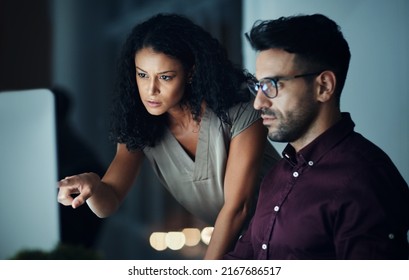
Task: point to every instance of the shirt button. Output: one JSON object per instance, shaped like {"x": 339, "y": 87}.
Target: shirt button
{"x": 264, "y": 246}
{"x": 295, "y": 174}
{"x": 276, "y": 208}
{"x": 310, "y": 163}
{"x": 391, "y": 236}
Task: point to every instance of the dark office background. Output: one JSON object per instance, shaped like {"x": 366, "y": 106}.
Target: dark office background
{"x": 70, "y": 47}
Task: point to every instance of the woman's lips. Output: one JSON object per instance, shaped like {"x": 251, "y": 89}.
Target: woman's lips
{"x": 154, "y": 104}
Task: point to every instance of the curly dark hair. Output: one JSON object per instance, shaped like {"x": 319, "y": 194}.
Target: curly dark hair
{"x": 215, "y": 79}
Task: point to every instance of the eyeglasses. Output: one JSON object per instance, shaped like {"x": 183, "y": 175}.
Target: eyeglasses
{"x": 270, "y": 85}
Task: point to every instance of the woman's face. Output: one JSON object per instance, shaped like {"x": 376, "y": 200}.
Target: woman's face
{"x": 161, "y": 81}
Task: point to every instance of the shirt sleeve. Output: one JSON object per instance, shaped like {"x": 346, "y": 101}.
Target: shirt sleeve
{"x": 243, "y": 115}
{"x": 371, "y": 223}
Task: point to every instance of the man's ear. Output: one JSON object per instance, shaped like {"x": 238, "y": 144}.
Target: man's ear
{"x": 327, "y": 82}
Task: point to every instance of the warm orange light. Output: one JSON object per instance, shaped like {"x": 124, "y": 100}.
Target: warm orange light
{"x": 157, "y": 241}
{"x": 192, "y": 236}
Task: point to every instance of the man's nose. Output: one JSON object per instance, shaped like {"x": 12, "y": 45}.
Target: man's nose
{"x": 261, "y": 101}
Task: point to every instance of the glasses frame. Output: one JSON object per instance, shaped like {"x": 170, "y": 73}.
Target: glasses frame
{"x": 254, "y": 85}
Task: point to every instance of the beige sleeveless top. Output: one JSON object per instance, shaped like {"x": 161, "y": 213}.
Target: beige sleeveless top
{"x": 198, "y": 184}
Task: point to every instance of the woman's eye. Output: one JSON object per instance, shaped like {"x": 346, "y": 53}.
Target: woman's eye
{"x": 166, "y": 78}
{"x": 141, "y": 75}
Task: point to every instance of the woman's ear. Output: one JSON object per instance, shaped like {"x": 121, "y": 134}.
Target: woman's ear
{"x": 326, "y": 82}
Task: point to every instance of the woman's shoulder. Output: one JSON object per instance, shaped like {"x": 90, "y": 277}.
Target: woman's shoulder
{"x": 243, "y": 110}
{"x": 241, "y": 116}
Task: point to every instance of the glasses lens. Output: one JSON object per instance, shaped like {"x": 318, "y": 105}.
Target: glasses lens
{"x": 269, "y": 88}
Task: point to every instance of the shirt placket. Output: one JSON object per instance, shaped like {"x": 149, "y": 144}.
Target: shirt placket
{"x": 293, "y": 176}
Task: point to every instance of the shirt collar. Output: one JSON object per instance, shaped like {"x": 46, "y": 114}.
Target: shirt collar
{"x": 322, "y": 144}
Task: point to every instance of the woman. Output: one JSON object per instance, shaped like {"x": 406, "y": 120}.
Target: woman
{"x": 181, "y": 105}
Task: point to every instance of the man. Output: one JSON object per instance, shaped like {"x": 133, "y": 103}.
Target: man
{"x": 334, "y": 195}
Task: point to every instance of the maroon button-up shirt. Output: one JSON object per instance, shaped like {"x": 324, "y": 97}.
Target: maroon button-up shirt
{"x": 340, "y": 197}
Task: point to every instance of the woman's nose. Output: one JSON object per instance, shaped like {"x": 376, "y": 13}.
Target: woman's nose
{"x": 153, "y": 88}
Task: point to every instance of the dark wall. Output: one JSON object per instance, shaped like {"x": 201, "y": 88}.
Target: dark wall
{"x": 25, "y": 44}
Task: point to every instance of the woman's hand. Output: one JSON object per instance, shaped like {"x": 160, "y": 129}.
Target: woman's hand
{"x": 103, "y": 196}
{"x": 83, "y": 185}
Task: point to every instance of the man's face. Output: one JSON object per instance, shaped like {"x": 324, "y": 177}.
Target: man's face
{"x": 290, "y": 116}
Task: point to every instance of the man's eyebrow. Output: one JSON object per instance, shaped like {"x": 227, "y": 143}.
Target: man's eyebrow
{"x": 272, "y": 77}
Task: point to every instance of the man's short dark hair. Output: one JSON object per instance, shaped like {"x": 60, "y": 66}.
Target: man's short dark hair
{"x": 316, "y": 40}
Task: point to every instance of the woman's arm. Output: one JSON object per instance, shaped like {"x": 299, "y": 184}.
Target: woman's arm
{"x": 103, "y": 196}
{"x": 242, "y": 171}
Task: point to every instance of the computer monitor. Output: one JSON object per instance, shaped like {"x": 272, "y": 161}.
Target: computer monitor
{"x": 28, "y": 172}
